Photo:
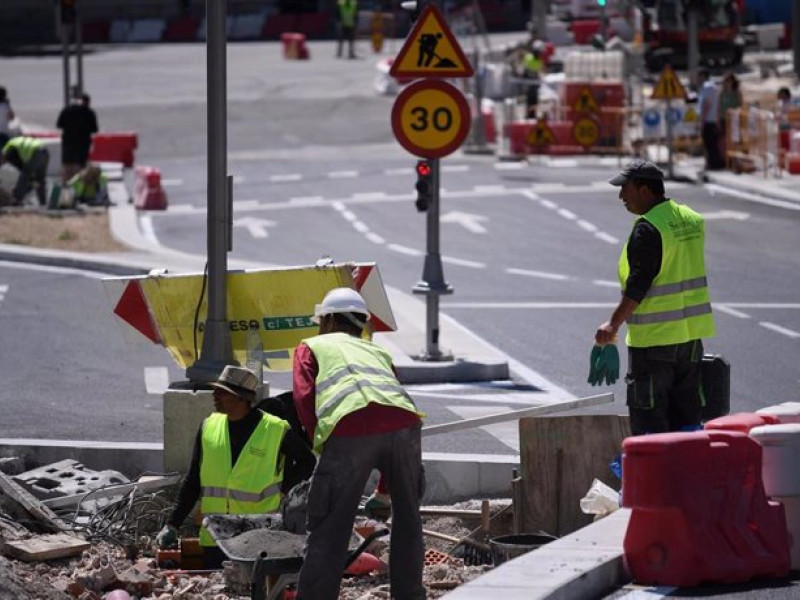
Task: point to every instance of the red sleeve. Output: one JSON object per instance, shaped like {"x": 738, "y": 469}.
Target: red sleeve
{"x": 304, "y": 376}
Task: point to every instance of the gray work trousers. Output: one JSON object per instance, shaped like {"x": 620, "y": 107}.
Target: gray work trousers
{"x": 35, "y": 170}
{"x": 336, "y": 489}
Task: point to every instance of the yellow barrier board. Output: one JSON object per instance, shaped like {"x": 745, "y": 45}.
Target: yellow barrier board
{"x": 170, "y": 310}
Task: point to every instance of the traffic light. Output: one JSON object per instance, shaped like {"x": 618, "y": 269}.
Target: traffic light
{"x": 67, "y": 11}
{"x": 424, "y": 185}
{"x": 601, "y": 3}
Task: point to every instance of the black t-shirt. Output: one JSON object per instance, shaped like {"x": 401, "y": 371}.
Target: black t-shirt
{"x": 644, "y": 258}
{"x": 299, "y": 462}
{"x": 77, "y": 124}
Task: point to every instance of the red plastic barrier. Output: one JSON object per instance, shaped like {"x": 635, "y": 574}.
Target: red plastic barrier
{"x": 793, "y": 163}
{"x": 741, "y": 422}
{"x": 114, "y": 147}
{"x": 489, "y": 128}
{"x": 605, "y": 94}
{"x": 294, "y": 46}
{"x": 583, "y": 31}
{"x": 147, "y": 191}
{"x": 278, "y": 24}
{"x": 699, "y": 511}
{"x": 44, "y": 134}
{"x": 183, "y": 29}
{"x": 519, "y": 133}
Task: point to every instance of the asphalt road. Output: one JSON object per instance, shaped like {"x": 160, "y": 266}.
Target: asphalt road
{"x": 530, "y": 249}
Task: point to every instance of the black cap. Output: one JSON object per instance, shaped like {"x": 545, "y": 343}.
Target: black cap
{"x": 638, "y": 169}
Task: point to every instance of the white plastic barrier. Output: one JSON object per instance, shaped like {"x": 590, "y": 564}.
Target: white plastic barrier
{"x": 147, "y": 30}
{"x": 788, "y": 412}
{"x": 120, "y": 30}
{"x": 593, "y": 65}
{"x": 246, "y": 27}
{"x": 781, "y": 446}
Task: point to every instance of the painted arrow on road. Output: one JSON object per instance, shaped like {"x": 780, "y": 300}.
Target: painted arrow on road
{"x": 257, "y": 227}
{"x": 726, "y": 214}
{"x": 469, "y": 221}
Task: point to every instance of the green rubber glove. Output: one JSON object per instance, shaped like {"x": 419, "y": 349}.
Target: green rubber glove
{"x": 167, "y": 537}
{"x": 594, "y": 358}
{"x": 610, "y": 359}
{"x": 378, "y": 506}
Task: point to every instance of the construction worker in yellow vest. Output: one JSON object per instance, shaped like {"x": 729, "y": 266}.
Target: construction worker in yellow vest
{"x": 348, "y": 19}
{"x": 532, "y": 68}
{"x": 360, "y": 418}
{"x": 90, "y": 186}
{"x": 665, "y": 303}
{"x": 238, "y": 463}
{"x": 30, "y": 156}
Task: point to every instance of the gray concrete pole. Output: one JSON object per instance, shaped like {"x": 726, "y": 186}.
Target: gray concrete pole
{"x": 796, "y": 36}
{"x": 694, "y": 44}
{"x": 217, "y": 351}
{"x": 65, "y": 60}
{"x": 79, "y": 52}
{"x": 433, "y": 284}
{"x": 539, "y": 18}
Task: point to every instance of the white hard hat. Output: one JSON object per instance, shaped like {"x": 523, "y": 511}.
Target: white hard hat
{"x": 341, "y": 300}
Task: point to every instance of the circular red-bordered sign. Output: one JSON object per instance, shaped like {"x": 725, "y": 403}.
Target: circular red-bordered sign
{"x": 430, "y": 118}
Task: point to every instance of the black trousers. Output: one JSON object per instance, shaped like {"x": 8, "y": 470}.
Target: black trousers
{"x": 33, "y": 171}
{"x": 336, "y": 489}
{"x": 714, "y": 160}
{"x": 664, "y": 388}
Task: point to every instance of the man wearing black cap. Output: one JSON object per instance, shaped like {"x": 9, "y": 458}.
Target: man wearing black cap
{"x": 665, "y": 303}
{"x": 239, "y": 461}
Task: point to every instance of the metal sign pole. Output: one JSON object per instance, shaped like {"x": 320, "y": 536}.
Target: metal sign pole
{"x": 79, "y": 51}
{"x": 433, "y": 284}
{"x": 217, "y": 351}
{"x": 670, "y": 173}
{"x": 65, "y": 32}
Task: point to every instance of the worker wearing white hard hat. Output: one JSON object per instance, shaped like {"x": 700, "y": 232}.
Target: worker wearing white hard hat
{"x": 359, "y": 418}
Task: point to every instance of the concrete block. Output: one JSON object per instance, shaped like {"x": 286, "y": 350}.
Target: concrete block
{"x": 66, "y": 478}
{"x": 452, "y": 477}
{"x": 184, "y": 412}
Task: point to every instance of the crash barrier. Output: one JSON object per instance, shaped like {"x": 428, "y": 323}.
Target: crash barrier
{"x": 590, "y": 66}
{"x": 651, "y": 122}
{"x": 147, "y": 191}
{"x": 114, "y": 147}
{"x": 699, "y": 512}
{"x": 788, "y": 412}
{"x": 583, "y": 31}
{"x": 294, "y": 46}
{"x": 751, "y": 141}
{"x": 741, "y": 422}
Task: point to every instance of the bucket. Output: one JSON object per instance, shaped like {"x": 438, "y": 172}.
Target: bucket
{"x": 506, "y": 547}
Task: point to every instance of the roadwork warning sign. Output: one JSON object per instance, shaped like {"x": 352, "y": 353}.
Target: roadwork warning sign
{"x": 669, "y": 87}
{"x": 431, "y": 50}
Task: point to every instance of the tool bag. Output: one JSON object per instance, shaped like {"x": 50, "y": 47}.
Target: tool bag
{"x": 715, "y": 376}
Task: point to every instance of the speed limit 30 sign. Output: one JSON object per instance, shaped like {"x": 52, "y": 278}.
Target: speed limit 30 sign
{"x": 430, "y": 118}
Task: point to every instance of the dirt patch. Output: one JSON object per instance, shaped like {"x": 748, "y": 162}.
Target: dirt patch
{"x": 76, "y": 231}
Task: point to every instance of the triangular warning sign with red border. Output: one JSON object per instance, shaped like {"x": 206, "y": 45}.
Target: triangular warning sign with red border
{"x": 431, "y": 50}
{"x": 669, "y": 87}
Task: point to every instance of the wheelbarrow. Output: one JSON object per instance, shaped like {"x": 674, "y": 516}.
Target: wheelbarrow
{"x": 269, "y": 573}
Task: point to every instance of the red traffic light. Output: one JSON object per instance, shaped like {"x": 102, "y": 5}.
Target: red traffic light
{"x": 423, "y": 168}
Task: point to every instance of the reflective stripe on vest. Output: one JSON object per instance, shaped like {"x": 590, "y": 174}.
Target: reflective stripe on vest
{"x": 352, "y": 374}
{"x": 253, "y": 484}
{"x": 677, "y": 308}
{"x": 25, "y": 147}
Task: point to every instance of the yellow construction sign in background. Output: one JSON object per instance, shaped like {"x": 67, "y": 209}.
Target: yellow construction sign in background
{"x": 669, "y": 87}
{"x": 431, "y": 50}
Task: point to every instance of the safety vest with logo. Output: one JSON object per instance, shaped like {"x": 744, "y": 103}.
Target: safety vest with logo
{"x": 533, "y": 63}
{"x": 352, "y": 373}
{"x": 347, "y": 12}
{"x": 25, "y": 147}
{"x": 253, "y": 484}
{"x": 677, "y": 307}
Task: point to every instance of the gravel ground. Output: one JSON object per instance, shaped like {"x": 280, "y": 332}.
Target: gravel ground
{"x": 70, "y": 230}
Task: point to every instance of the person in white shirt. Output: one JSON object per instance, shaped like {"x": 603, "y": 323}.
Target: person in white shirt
{"x": 708, "y": 103}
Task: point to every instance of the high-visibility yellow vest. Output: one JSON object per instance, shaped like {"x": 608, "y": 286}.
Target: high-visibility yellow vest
{"x": 677, "y": 307}
{"x": 532, "y": 63}
{"x": 86, "y": 190}
{"x": 347, "y": 10}
{"x": 25, "y": 147}
{"x": 352, "y": 373}
{"x": 253, "y": 484}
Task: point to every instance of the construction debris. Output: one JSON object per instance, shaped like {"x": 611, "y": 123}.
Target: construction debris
{"x": 44, "y": 547}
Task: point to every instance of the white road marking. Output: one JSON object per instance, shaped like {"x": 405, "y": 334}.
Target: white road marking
{"x": 747, "y": 196}
{"x": 156, "y": 380}
{"x": 182, "y": 208}
{"x": 539, "y": 274}
{"x": 463, "y": 262}
{"x": 369, "y": 195}
{"x": 360, "y": 226}
{"x": 726, "y": 214}
{"x": 454, "y": 168}
{"x": 171, "y": 182}
{"x": 3, "y": 292}
{"x": 285, "y": 178}
{"x": 342, "y": 174}
{"x": 399, "y": 171}
{"x": 307, "y": 200}
{"x": 507, "y": 433}
{"x": 51, "y": 269}
{"x": 560, "y": 162}
{"x": 606, "y": 237}
{"x": 148, "y": 231}
{"x": 778, "y": 329}
{"x": 606, "y": 283}
{"x": 239, "y": 179}
{"x": 489, "y": 188}
{"x": 509, "y": 166}
{"x": 405, "y": 250}
{"x": 586, "y": 226}
{"x": 469, "y": 221}
{"x": 789, "y": 305}
{"x": 724, "y": 308}
{"x": 375, "y": 238}
{"x": 567, "y": 214}
{"x": 348, "y": 214}
{"x": 245, "y": 204}
{"x": 498, "y": 398}
{"x": 650, "y": 593}
{"x": 548, "y": 204}
{"x": 257, "y": 227}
